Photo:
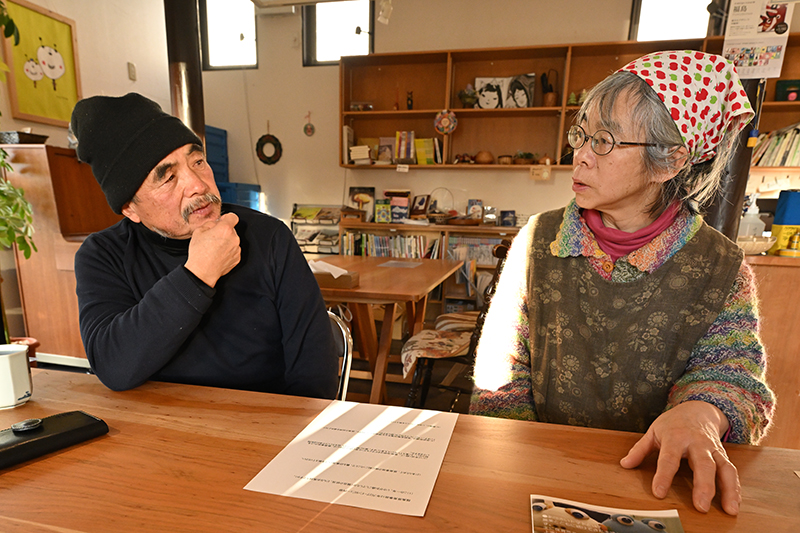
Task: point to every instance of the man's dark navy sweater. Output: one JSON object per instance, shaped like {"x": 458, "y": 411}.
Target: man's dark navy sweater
{"x": 263, "y": 327}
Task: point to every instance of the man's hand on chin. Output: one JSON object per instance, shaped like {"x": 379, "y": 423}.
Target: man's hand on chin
{"x": 214, "y": 249}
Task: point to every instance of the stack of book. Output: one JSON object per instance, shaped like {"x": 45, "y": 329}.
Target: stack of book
{"x": 398, "y": 201}
{"x": 778, "y": 148}
{"x": 360, "y": 155}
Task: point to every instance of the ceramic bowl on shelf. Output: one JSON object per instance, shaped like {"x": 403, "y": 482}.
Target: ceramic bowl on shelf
{"x": 484, "y": 158}
{"x": 755, "y": 245}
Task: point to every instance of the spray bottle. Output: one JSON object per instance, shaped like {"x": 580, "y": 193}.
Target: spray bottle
{"x": 751, "y": 224}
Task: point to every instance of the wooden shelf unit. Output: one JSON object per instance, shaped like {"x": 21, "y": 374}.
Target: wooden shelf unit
{"x": 68, "y": 205}
{"x": 451, "y": 290}
{"x": 435, "y": 78}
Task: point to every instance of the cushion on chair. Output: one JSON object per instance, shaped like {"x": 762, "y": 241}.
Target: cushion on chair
{"x": 465, "y": 321}
{"x": 433, "y": 344}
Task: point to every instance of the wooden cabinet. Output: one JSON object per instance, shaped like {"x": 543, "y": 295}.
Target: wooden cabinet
{"x": 435, "y": 78}
{"x": 67, "y": 205}
{"x": 778, "y": 281}
{"x": 446, "y": 241}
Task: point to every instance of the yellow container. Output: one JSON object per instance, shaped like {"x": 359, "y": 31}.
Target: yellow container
{"x": 783, "y": 233}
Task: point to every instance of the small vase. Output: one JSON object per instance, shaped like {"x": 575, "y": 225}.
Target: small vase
{"x": 468, "y": 101}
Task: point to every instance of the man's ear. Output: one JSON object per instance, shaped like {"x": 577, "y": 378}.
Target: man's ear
{"x": 129, "y": 210}
{"x": 677, "y": 160}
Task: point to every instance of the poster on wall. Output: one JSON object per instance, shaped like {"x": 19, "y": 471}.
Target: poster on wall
{"x": 756, "y": 37}
{"x": 43, "y": 81}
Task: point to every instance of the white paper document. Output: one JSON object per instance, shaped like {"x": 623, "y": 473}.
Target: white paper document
{"x": 363, "y": 455}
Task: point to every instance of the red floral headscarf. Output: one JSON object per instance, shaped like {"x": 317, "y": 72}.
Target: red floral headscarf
{"x": 702, "y": 93}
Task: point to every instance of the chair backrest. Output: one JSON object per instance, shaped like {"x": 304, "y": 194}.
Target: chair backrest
{"x": 343, "y": 341}
{"x": 499, "y": 251}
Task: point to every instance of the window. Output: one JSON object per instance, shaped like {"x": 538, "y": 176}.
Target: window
{"x": 228, "y": 34}
{"x": 654, "y": 20}
{"x": 335, "y": 29}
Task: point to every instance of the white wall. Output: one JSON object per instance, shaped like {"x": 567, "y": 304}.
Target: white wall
{"x": 282, "y": 92}
{"x": 110, "y": 33}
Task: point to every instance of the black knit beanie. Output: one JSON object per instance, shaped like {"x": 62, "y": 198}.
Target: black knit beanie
{"x": 123, "y": 139}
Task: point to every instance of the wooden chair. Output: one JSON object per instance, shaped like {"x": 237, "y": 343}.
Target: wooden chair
{"x": 343, "y": 341}
{"x": 424, "y": 348}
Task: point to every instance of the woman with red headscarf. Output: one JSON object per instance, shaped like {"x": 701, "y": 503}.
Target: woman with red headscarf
{"x": 625, "y": 310}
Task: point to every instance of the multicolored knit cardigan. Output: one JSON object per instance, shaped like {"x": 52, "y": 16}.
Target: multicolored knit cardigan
{"x": 725, "y": 368}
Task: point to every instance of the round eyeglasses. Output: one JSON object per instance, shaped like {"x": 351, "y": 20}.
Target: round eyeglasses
{"x": 602, "y": 141}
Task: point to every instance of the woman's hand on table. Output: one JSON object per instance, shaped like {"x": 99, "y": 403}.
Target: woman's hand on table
{"x": 690, "y": 430}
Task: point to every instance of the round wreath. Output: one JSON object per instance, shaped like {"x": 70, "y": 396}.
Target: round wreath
{"x": 276, "y": 155}
{"x": 445, "y": 122}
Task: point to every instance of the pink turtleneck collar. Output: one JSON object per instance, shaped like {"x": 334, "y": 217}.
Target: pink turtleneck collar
{"x": 618, "y": 243}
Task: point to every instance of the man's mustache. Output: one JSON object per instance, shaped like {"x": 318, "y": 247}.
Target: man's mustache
{"x": 202, "y": 201}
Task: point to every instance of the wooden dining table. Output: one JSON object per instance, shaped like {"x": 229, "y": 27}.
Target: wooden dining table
{"x": 176, "y": 458}
{"x": 388, "y": 282}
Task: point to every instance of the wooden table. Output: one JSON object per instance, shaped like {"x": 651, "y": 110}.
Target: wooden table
{"x": 178, "y": 456}
{"x": 386, "y": 286}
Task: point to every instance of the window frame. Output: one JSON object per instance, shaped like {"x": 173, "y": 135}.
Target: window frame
{"x": 309, "y": 18}
{"x": 716, "y": 21}
{"x": 204, "y": 52}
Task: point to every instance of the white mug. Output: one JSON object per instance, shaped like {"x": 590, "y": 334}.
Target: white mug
{"x": 15, "y": 375}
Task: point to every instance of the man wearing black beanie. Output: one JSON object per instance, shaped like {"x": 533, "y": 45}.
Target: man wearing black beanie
{"x": 187, "y": 289}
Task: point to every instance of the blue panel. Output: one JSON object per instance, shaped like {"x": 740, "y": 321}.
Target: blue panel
{"x": 245, "y": 194}
{"x": 217, "y": 152}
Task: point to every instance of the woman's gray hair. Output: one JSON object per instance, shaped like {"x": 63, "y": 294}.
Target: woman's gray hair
{"x": 693, "y": 185}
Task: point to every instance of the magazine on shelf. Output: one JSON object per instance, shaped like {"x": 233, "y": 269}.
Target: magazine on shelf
{"x": 305, "y": 214}
{"x": 305, "y": 235}
{"x": 329, "y": 215}
{"x": 549, "y": 514}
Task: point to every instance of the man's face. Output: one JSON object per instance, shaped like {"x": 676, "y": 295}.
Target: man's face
{"x": 178, "y": 196}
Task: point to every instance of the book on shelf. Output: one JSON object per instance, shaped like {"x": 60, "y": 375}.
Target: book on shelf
{"x": 425, "y": 151}
{"x": 477, "y": 248}
{"x": 399, "y": 208}
{"x": 363, "y": 199}
{"x": 348, "y": 139}
{"x": 403, "y": 193}
{"x": 307, "y": 214}
{"x": 383, "y": 211}
{"x": 329, "y": 215}
{"x": 372, "y": 143}
{"x": 318, "y": 241}
{"x": 305, "y": 235}
{"x": 400, "y": 246}
{"x": 437, "y": 150}
{"x": 405, "y": 152}
{"x": 361, "y": 154}
{"x": 778, "y": 148}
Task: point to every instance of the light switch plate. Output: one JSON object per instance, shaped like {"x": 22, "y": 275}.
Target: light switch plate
{"x": 131, "y": 71}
